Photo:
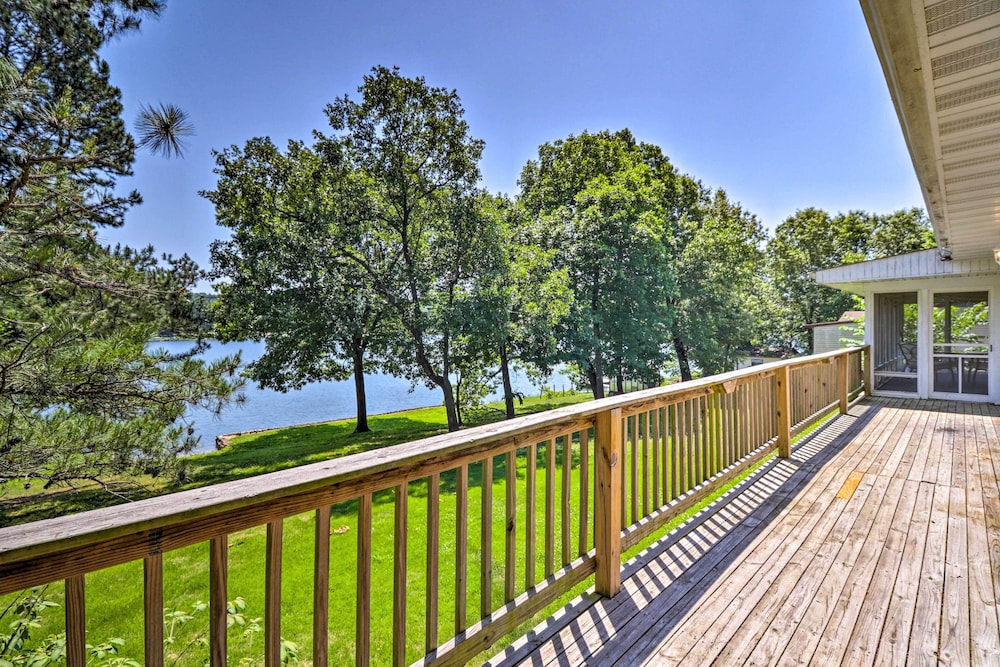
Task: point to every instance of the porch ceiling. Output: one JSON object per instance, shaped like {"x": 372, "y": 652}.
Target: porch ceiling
{"x": 941, "y": 60}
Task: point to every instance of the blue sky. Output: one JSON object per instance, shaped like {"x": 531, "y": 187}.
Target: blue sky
{"x": 781, "y": 103}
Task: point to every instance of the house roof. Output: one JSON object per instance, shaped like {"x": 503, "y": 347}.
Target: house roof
{"x": 911, "y": 266}
{"x": 942, "y": 64}
{"x": 849, "y": 317}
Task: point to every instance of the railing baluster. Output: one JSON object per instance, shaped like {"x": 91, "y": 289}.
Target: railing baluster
{"x": 655, "y": 435}
{"x": 321, "y": 587}
{"x": 724, "y": 457}
{"x": 744, "y": 420}
{"x": 725, "y": 415}
{"x": 760, "y": 413}
{"x": 692, "y": 443}
{"x": 711, "y": 453}
{"x": 623, "y": 471}
{"x": 550, "y": 506}
{"x": 510, "y": 556}
{"x": 530, "y": 515}
{"x": 773, "y": 391}
{"x": 675, "y": 450}
{"x": 461, "y": 545}
{"x": 633, "y": 439}
{"x": 399, "y": 576}
{"x": 433, "y": 559}
{"x": 218, "y": 591}
{"x": 843, "y": 385}
{"x": 644, "y": 425}
{"x": 363, "y": 604}
{"x": 698, "y": 441}
{"x": 486, "y": 541}
{"x": 665, "y": 466}
{"x": 683, "y": 415}
{"x": 272, "y": 594}
{"x": 76, "y": 621}
{"x": 152, "y": 603}
{"x": 584, "y": 489}
{"x": 567, "y": 472}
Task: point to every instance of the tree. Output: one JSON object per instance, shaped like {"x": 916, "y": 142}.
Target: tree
{"x": 278, "y": 281}
{"x": 812, "y": 240}
{"x": 527, "y": 296}
{"x": 717, "y": 259}
{"x": 81, "y": 397}
{"x": 604, "y": 202}
{"x": 413, "y": 229}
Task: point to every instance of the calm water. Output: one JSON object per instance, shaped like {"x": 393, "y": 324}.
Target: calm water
{"x": 321, "y": 401}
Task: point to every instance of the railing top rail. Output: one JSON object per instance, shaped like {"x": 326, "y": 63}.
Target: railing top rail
{"x": 36, "y": 539}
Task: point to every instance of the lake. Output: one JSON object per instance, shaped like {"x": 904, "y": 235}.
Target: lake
{"x": 321, "y": 401}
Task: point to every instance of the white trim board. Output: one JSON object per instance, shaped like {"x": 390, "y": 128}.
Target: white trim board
{"x": 923, "y": 265}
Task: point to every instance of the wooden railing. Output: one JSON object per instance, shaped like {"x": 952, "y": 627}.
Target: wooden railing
{"x": 575, "y": 487}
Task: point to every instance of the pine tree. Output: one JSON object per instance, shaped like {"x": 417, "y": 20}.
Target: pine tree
{"x": 80, "y": 395}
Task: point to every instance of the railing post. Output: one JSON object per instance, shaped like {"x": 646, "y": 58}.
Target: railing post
{"x": 608, "y": 501}
{"x": 784, "y": 409}
{"x": 867, "y": 367}
{"x": 843, "y": 385}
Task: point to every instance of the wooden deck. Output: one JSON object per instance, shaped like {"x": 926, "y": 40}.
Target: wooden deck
{"x": 877, "y": 542}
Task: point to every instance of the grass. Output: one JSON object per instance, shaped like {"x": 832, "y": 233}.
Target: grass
{"x": 114, "y": 606}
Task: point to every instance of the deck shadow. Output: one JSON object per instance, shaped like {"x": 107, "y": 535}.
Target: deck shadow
{"x": 630, "y": 626}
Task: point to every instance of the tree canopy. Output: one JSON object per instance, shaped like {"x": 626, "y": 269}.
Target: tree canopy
{"x": 718, "y": 259}
{"x": 280, "y": 281}
{"x": 81, "y": 397}
{"x": 811, "y": 240}
{"x": 376, "y": 245}
{"x": 384, "y": 216}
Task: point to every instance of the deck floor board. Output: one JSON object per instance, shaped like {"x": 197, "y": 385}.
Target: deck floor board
{"x": 902, "y": 568}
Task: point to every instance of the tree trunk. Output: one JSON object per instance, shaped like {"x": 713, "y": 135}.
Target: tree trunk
{"x": 450, "y": 407}
{"x": 508, "y": 391}
{"x": 620, "y": 375}
{"x": 597, "y": 366}
{"x": 597, "y": 377}
{"x": 682, "y": 359}
{"x": 359, "y": 390}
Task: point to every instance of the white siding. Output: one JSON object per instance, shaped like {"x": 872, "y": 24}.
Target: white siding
{"x": 831, "y": 337}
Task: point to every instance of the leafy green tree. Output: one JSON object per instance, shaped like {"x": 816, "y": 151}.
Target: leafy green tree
{"x": 803, "y": 243}
{"x": 278, "y": 280}
{"x": 81, "y": 397}
{"x": 604, "y": 202}
{"x": 903, "y": 231}
{"x": 527, "y": 296}
{"x": 717, "y": 257}
{"x": 812, "y": 240}
{"x": 413, "y": 228}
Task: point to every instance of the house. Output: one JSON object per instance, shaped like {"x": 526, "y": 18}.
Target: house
{"x": 844, "y": 332}
{"x": 929, "y": 323}
{"x": 932, "y": 316}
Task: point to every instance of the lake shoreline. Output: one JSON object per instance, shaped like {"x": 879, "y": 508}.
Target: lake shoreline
{"x": 223, "y": 440}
